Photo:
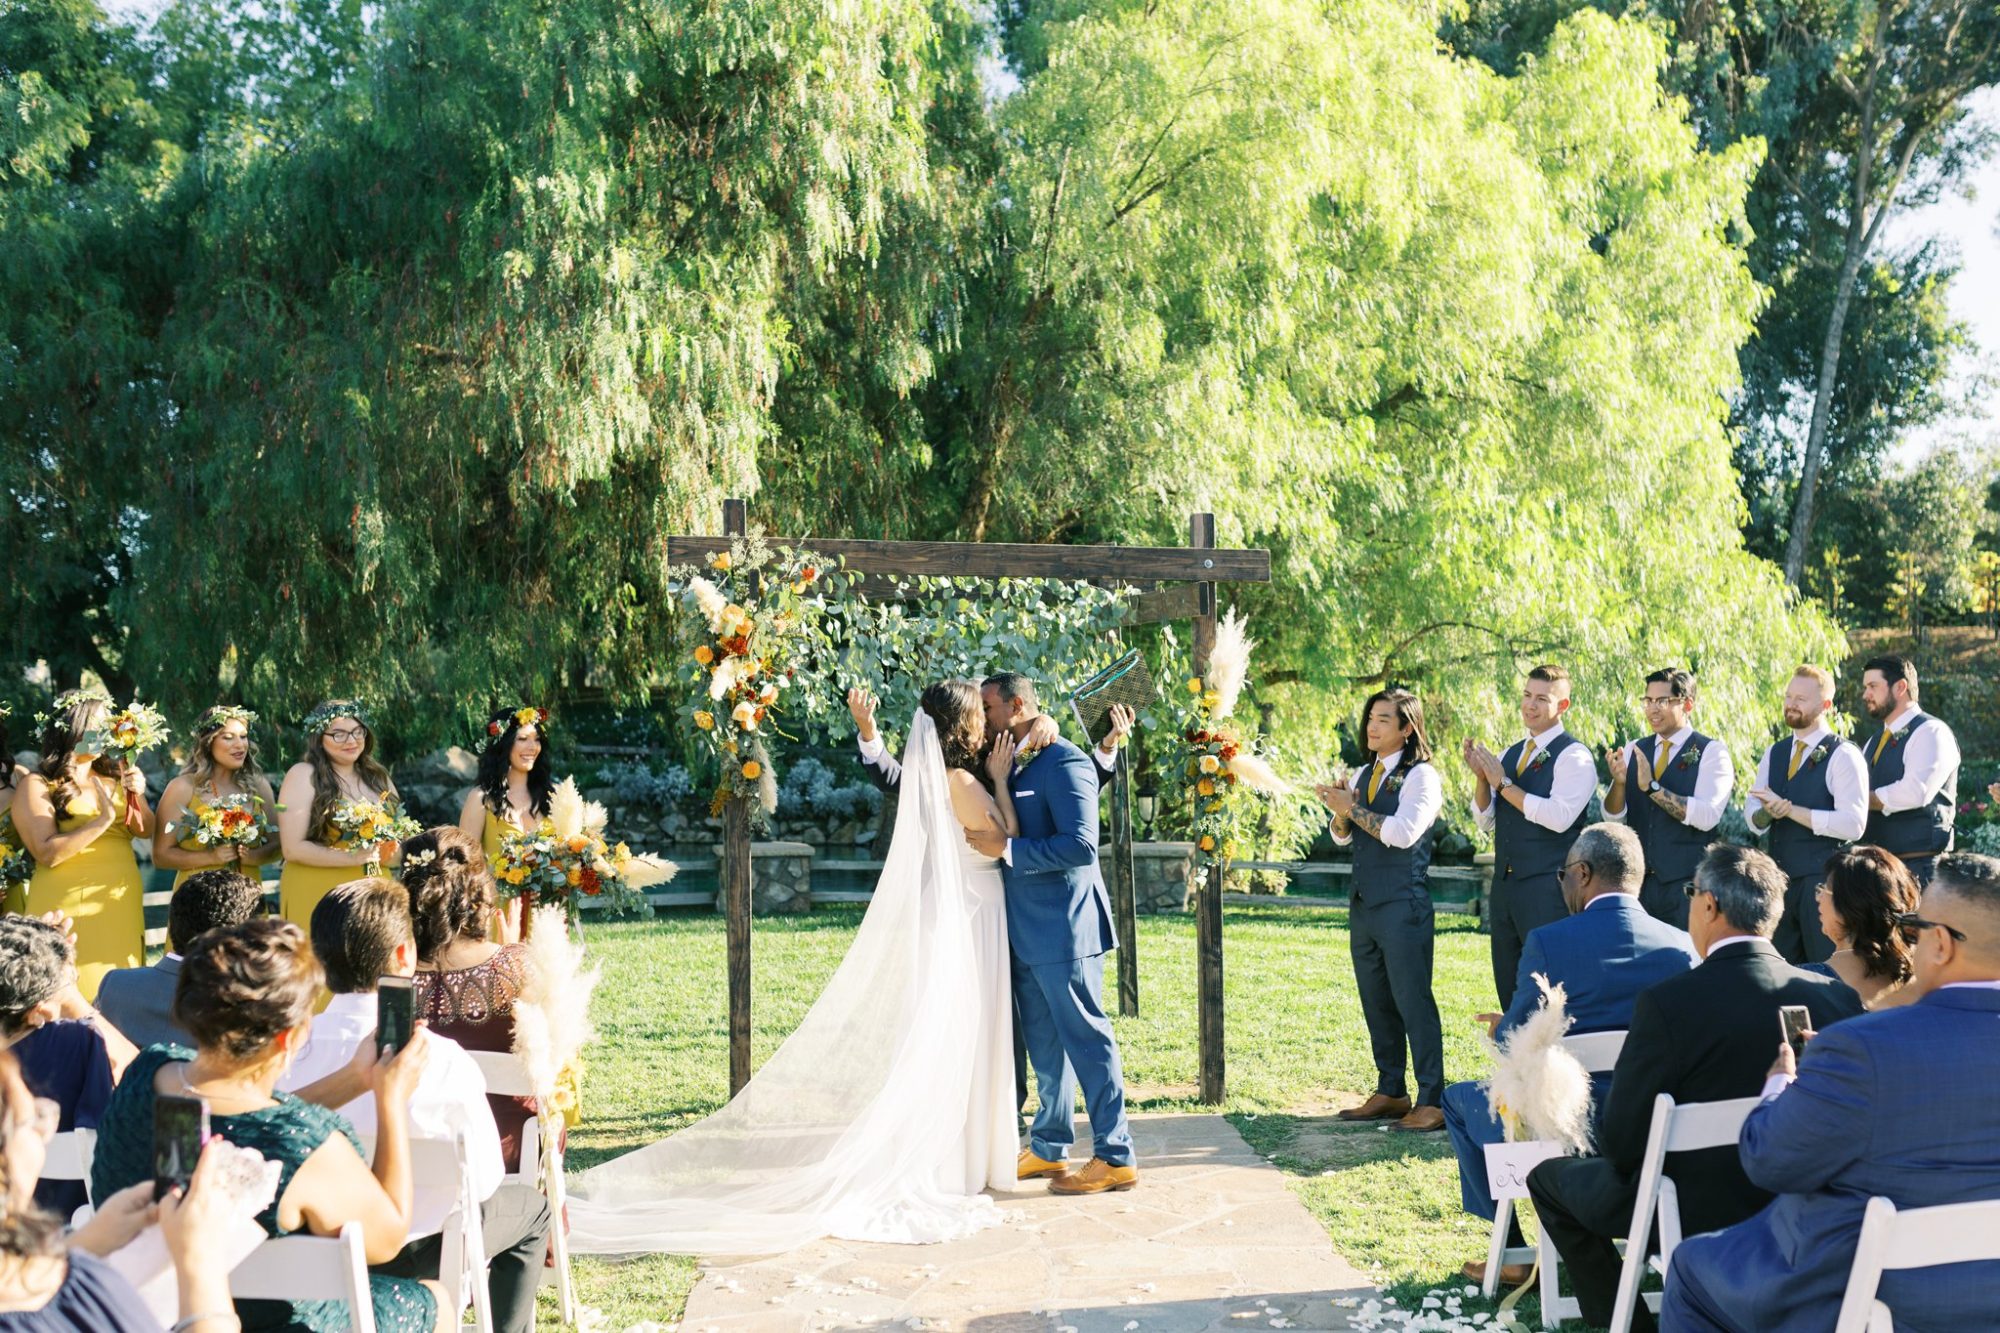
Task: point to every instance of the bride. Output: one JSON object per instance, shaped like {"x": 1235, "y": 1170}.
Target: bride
{"x": 891, "y": 1107}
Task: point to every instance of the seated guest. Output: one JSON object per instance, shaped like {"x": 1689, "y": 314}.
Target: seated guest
{"x": 66, "y": 1052}
{"x": 246, "y": 993}
{"x": 1865, "y": 893}
{"x": 1899, "y": 1104}
{"x": 139, "y": 1001}
{"x": 52, "y": 1285}
{"x": 466, "y": 983}
{"x": 361, "y": 933}
{"x": 1603, "y": 955}
{"x": 1704, "y": 1036}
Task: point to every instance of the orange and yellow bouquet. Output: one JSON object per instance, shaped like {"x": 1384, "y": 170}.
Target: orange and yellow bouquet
{"x": 566, "y": 858}
{"x": 1221, "y": 765}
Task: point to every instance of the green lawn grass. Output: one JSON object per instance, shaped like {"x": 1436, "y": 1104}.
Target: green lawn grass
{"x": 1296, "y": 1050}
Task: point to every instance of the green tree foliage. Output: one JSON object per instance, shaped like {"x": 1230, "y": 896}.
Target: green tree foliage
{"x": 454, "y": 314}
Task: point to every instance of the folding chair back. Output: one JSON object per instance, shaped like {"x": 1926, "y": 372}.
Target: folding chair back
{"x": 1950, "y": 1233}
{"x": 1675, "y": 1128}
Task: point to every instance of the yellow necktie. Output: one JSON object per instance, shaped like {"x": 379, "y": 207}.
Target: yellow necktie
{"x": 1662, "y": 751}
{"x": 1881, "y": 744}
{"x": 1527, "y": 753}
{"x": 1375, "y": 779}
{"x": 1798, "y": 753}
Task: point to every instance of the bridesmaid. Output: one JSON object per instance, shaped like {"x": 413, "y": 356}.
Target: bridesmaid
{"x": 78, "y": 814}
{"x": 512, "y": 795}
{"x": 222, "y": 763}
{"x": 338, "y": 769}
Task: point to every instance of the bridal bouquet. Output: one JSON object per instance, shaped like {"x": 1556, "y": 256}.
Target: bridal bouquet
{"x": 754, "y": 613}
{"x": 566, "y": 858}
{"x": 135, "y": 729}
{"x": 236, "y": 820}
{"x": 1221, "y": 767}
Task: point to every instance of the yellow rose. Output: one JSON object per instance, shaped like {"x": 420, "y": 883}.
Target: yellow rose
{"x": 744, "y": 715}
{"x": 575, "y": 878}
{"x": 704, "y": 720}
{"x": 1210, "y": 764}
{"x": 1207, "y": 843}
{"x": 720, "y": 560}
{"x": 704, "y": 654}
{"x": 752, "y": 771}
{"x": 1211, "y": 700}
{"x": 1194, "y": 687}
{"x": 1205, "y": 787}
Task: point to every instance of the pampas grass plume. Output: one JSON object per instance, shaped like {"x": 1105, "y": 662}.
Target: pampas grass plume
{"x": 1537, "y": 1084}
{"x": 1229, "y": 662}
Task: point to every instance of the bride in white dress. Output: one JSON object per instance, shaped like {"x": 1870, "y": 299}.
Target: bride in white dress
{"x": 891, "y": 1107}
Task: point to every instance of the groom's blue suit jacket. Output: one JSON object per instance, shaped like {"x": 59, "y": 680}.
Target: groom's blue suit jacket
{"x": 1057, "y": 909}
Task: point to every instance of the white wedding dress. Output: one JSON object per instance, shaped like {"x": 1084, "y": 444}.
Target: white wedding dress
{"x": 888, "y": 1110}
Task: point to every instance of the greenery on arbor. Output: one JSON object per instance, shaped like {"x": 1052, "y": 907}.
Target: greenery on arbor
{"x": 379, "y": 349}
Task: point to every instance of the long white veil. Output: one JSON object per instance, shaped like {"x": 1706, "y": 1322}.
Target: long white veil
{"x": 853, "y": 1128}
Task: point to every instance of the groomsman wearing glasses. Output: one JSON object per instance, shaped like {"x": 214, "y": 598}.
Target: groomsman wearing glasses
{"x": 1810, "y": 796}
{"x": 1671, "y": 788}
{"x": 1912, "y": 768}
{"x": 1534, "y": 800}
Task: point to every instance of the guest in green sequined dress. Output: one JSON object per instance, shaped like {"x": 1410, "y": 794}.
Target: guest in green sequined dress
{"x": 246, "y": 995}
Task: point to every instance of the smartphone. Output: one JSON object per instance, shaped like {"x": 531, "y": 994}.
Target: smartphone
{"x": 180, "y": 1127}
{"x": 395, "y": 1014}
{"x": 1794, "y": 1020}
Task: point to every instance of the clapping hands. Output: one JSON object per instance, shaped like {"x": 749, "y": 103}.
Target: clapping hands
{"x": 1337, "y": 796}
{"x": 1485, "y": 765}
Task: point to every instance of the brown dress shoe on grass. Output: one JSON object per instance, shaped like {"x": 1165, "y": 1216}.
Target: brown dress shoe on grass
{"x": 1423, "y": 1120}
{"x": 1030, "y": 1167}
{"x": 1378, "y": 1107}
{"x": 1097, "y": 1177}
{"x": 1511, "y": 1275}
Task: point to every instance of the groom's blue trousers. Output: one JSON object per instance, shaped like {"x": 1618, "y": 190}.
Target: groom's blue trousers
{"x": 1069, "y": 1042}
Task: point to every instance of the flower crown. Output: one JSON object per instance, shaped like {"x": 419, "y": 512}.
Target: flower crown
{"x": 88, "y": 694}
{"x": 322, "y": 717}
{"x": 220, "y": 716}
{"x": 525, "y": 716}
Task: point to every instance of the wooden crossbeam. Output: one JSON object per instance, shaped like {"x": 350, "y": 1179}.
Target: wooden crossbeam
{"x": 984, "y": 560}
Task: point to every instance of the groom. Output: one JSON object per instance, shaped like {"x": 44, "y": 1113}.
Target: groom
{"x": 1059, "y": 928}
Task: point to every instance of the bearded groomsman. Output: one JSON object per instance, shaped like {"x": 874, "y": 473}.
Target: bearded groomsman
{"x": 1811, "y": 795}
{"x": 1912, "y": 768}
{"x": 1534, "y": 800}
{"x": 1671, "y": 788}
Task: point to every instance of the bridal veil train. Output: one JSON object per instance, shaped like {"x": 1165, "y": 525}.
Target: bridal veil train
{"x": 858, "y": 1126}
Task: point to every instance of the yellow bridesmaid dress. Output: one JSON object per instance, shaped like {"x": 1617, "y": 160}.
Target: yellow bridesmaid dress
{"x": 490, "y": 839}
{"x": 100, "y": 888}
{"x": 300, "y": 887}
{"x": 17, "y": 894}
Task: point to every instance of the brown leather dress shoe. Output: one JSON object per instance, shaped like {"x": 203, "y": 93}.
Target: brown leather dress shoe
{"x": 1030, "y": 1167}
{"x": 1511, "y": 1275}
{"x": 1097, "y": 1177}
{"x": 1378, "y": 1107}
{"x": 1423, "y": 1120}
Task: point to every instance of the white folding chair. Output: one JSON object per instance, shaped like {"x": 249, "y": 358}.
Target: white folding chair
{"x": 1597, "y": 1052}
{"x": 438, "y": 1166}
{"x": 1947, "y": 1233}
{"x": 69, "y": 1156}
{"x": 1687, "y": 1128}
{"x": 310, "y": 1268}
{"x": 541, "y": 1156}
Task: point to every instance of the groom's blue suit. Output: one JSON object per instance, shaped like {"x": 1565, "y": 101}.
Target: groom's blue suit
{"x": 1059, "y": 926}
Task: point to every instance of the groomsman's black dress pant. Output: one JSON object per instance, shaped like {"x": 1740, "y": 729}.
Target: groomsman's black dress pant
{"x": 1798, "y": 936}
{"x": 1392, "y": 943}
{"x": 1665, "y": 900}
{"x": 1585, "y": 1204}
{"x": 1515, "y": 907}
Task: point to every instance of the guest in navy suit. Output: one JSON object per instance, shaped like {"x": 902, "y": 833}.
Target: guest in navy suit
{"x": 1704, "y": 1036}
{"x": 1602, "y": 956}
{"x": 1899, "y": 1103}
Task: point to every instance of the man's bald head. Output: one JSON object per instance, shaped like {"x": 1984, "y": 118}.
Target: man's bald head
{"x": 1964, "y": 895}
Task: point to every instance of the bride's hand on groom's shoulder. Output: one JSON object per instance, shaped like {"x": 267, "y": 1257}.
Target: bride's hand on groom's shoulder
{"x": 1000, "y": 758}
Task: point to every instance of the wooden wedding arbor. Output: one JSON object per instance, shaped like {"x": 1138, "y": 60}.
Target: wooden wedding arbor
{"x": 1192, "y": 570}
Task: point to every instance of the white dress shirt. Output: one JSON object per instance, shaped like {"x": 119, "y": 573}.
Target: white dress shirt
{"x": 1570, "y": 789}
{"x": 1418, "y": 802}
{"x": 1929, "y": 756}
{"x": 450, "y": 1097}
{"x": 1846, "y": 782}
{"x": 1714, "y": 778}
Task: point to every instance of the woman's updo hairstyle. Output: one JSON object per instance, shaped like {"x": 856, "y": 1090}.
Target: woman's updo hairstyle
{"x": 1870, "y": 888}
{"x": 451, "y": 889}
{"x": 240, "y": 986}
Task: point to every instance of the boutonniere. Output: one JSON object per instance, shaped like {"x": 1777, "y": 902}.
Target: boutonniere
{"x": 1689, "y": 758}
{"x": 1394, "y": 782}
{"x": 1818, "y": 755}
{"x": 1896, "y": 738}
{"x": 1541, "y": 758}
{"x": 1024, "y": 757}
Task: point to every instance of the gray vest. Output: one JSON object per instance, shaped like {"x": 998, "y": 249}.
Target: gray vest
{"x": 1796, "y": 848}
{"x": 1673, "y": 849}
{"x": 1523, "y": 849}
{"x": 1383, "y": 872}
{"x": 1924, "y": 829}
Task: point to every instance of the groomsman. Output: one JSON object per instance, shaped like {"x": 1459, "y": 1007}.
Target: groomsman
{"x": 1671, "y": 787}
{"x": 1534, "y": 800}
{"x": 1912, "y": 768}
{"x": 1811, "y": 794}
{"x": 1388, "y": 813}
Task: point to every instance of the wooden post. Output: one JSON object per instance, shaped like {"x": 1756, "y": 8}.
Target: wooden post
{"x": 1208, "y": 898}
{"x": 1124, "y": 888}
{"x": 736, "y": 873}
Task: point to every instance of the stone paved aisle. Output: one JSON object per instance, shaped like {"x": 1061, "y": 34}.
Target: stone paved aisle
{"x": 1211, "y": 1240}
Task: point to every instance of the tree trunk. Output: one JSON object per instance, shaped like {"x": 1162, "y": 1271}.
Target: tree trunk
{"x": 1829, "y": 366}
